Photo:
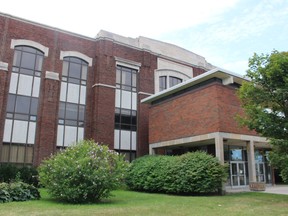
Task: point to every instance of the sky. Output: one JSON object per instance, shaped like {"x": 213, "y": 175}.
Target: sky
{"x": 226, "y": 32}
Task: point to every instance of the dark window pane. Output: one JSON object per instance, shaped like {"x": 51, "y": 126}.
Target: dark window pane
{"x": 162, "y": 83}
{"x": 134, "y": 120}
{"x": 76, "y": 60}
{"x": 17, "y": 57}
{"x": 22, "y": 104}
{"x": 39, "y": 61}
{"x": 29, "y": 49}
{"x": 71, "y": 111}
{"x": 126, "y": 127}
{"x": 28, "y": 60}
{"x": 74, "y": 70}
{"x": 11, "y": 103}
{"x": 174, "y": 81}
{"x": 34, "y": 106}
{"x": 72, "y": 80}
{"x": 21, "y": 117}
{"x": 26, "y": 71}
{"x": 117, "y": 126}
{"x": 71, "y": 123}
{"x": 133, "y": 128}
{"x": 125, "y": 119}
{"x": 81, "y": 113}
{"x": 61, "y": 113}
{"x": 117, "y": 118}
{"x": 126, "y": 78}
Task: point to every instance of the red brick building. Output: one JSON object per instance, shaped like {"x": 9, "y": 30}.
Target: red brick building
{"x": 199, "y": 114}
{"x": 58, "y": 87}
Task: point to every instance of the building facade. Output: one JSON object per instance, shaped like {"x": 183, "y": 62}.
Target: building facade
{"x": 200, "y": 114}
{"x": 58, "y": 87}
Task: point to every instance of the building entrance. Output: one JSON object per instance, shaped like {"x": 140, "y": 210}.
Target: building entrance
{"x": 260, "y": 172}
{"x": 238, "y": 173}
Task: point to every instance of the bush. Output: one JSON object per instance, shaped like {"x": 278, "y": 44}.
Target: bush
{"x": 9, "y": 173}
{"x": 191, "y": 173}
{"x": 86, "y": 172}
{"x": 17, "y": 191}
{"x": 148, "y": 173}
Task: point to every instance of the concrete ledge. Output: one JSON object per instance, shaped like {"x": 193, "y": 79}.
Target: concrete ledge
{"x": 3, "y": 66}
{"x": 52, "y": 75}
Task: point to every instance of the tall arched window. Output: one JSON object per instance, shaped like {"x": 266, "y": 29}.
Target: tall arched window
{"x": 22, "y": 105}
{"x": 71, "y": 118}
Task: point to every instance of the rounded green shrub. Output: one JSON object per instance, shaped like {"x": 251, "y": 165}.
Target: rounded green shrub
{"x": 191, "y": 173}
{"x": 85, "y": 172}
{"x": 17, "y": 191}
{"x": 148, "y": 173}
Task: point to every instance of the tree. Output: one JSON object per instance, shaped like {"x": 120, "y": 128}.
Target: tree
{"x": 265, "y": 102}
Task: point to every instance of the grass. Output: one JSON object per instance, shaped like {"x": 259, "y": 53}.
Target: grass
{"x": 135, "y": 203}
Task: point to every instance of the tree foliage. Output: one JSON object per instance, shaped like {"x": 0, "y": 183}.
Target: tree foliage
{"x": 265, "y": 102}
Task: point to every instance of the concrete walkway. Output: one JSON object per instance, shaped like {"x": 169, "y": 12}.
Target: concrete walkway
{"x": 276, "y": 189}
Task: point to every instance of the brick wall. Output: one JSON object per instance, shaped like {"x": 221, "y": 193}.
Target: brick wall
{"x": 100, "y": 103}
{"x": 208, "y": 109}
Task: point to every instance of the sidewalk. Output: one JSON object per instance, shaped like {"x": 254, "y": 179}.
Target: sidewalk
{"x": 276, "y": 189}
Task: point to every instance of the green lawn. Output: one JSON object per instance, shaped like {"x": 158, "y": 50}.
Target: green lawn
{"x": 134, "y": 203}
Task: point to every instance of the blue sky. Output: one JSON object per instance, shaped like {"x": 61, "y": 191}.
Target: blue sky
{"x": 225, "y": 32}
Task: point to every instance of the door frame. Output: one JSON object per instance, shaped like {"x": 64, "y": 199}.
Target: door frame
{"x": 239, "y": 174}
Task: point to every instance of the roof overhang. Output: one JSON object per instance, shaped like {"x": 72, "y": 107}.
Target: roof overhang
{"x": 226, "y": 76}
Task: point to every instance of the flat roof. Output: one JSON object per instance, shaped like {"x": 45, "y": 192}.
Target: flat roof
{"x": 226, "y": 76}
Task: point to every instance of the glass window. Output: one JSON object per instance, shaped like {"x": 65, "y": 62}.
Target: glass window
{"x": 13, "y": 83}
{"x": 28, "y": 60}
{"x": 74, "y": 70}
{"x": 174, "y": 81}
{"x": 25, "y": 85}
{"x": 17, "y": 58}
{"x": 22, "y": 104}
{"x": 20, "y": 129}
{"x": 11, "y": 103}
{"x": 72, "y": 94}
{"x": 125, "y": 110}
{"x": 162, "y": 83}
{"x": 71, "y": 111}
{"x": 34, "y": 106}
{"x": 36, "y": 87}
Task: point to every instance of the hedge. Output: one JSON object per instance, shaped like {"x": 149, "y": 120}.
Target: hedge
{"x": 191, "y": 173}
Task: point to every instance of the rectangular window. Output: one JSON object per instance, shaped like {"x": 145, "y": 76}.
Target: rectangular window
{"x": 126, "y": 111}
{"x": 22, "y": 105}
{"x": 72, "y": 101}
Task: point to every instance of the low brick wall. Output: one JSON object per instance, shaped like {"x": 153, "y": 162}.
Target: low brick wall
{"x": 257, "y": 186}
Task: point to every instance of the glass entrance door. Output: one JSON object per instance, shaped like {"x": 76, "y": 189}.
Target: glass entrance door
{"x": 237, "y": 173}
{"x": 260, "y": 172}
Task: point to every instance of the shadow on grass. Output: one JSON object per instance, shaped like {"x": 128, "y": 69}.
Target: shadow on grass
{"x": 107, "y": 201}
